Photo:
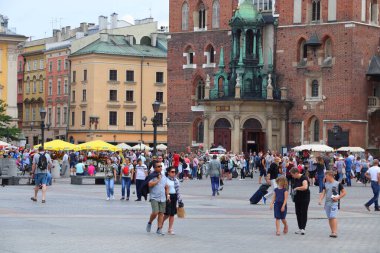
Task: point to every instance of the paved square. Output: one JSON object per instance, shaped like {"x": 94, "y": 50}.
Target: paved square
{"x": 79, "y": 219}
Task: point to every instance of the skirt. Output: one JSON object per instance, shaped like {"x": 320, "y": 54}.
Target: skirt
{"x": 277, "y": 211}
{"x": 171, "y": 207}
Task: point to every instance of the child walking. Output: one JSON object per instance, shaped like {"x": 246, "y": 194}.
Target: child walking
{"x": 279, "y": 201}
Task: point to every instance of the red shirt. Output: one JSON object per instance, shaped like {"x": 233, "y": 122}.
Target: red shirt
{"x": 176, "y": 160}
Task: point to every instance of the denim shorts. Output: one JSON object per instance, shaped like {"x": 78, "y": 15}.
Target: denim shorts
{"x": 331, "y": 211}
{"x": 40, "y": 178}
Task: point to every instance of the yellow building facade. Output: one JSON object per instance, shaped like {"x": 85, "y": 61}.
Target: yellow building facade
{"x": 113, "y": 85}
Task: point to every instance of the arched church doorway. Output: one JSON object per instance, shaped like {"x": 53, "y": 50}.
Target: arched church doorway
{"x": 253, "y": 136}
{"x": 222, "y": 133}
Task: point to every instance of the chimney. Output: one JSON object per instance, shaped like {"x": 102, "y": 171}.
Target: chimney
{"x": 83, "y": 27}
{"x": 59, "y": 35}
{"x": 114, "y": 18}
{"x": 153, "y": 40}
{"x": 104, "y": 36}
{"x": 79, "y": 35}
{"x": 102, "y": 23}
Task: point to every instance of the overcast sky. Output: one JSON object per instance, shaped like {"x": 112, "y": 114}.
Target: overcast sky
{"x": 34, "y": 18}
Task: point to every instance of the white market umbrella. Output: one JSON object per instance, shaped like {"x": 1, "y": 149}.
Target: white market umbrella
{"x": 4, "y": 144}
{"x": 314, "y": 148}
{"x": 351, "y": 149}
{"x": 140, "y": 147}
{"x": 161, "y": 147}
{"x": 124, "y": 146}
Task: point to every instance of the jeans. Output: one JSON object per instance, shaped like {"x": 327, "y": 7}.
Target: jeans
{"x": 375, "y": 188}
{"x": 214, "y": 185}
{"x": 301, "y": 212}
{"x": 320, "y": 182}
{"x": 348, "y": 177}
{"x": 194, "y": 172}
{"x": 126, "y": 183}
{"x": 139, "y": 183}
{"x": 49, "y": 178}
{"x": 340, "y": 177}
{"x": 109, "y": 186}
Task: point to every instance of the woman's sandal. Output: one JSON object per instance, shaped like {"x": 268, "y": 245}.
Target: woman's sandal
{"x": 43, "y": 201}
{"x": 278, "y": 233}
{"x": 333, "y": 235}
{"x": 286, "y": 230}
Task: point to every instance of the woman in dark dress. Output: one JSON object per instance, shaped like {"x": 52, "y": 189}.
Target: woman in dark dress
{"x": 301, "y": 194}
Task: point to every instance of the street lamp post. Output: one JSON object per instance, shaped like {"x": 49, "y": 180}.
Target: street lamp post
{"x": 43, "y": 115}
{"x": 155, "y": 124}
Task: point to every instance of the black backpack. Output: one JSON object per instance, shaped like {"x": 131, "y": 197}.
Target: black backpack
{"x": 42, "y": 162}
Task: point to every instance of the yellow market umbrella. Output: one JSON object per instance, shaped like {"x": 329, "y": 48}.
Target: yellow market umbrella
{"x": 57, "y": 145}
{"x": 98, "y": 145}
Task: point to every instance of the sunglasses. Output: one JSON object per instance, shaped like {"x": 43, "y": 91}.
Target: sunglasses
{"x": 159, "y": 166}
{"x": 172, "y": 171}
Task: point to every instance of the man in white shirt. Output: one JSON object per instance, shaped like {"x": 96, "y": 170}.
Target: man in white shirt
{"x": 65, "y": 164}
{"x": 373, "y": 174}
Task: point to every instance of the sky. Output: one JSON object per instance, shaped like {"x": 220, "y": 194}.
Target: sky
{"x": 38, "y": 18}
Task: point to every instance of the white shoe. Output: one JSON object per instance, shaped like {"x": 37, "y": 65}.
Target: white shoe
{"x": 302, "y": 231}
{"x": 107, "y": 198}
{"x": 112, "y": 197}
{"x": 298, "y": 232}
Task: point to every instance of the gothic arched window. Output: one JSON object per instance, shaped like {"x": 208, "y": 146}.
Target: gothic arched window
{"x": 315, "y": 89}
{"x": 316, "y": 131}
{"x": 185, "y": 16}
{"x": 202, "y": 16}
{"x": 316, "y": 10}
{"x": 215, "y": 14}
{"x": 200, "y": 90}
{"x": 200, "y": 130}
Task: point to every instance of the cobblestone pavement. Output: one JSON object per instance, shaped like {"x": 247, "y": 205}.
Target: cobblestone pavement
{"x": 79, "y": 219}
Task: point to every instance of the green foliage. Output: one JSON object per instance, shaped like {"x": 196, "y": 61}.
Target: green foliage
{"x": 6, "y": 130}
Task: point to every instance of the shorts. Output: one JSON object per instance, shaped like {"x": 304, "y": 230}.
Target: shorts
{"x": 226, "y": 170}
{"x": 277, "y": 211}
{"x": 312, "y": 173}
{"x": 158, "y": 207}
{"x": 171, "y": 207}
{"x": 40, "y": 178}
{"x": 72, "y": 164}
{"x": 331, "y": 211}
{"x": 263, "y": 172}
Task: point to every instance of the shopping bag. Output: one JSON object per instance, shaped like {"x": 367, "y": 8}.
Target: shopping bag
{"x": 181, "y": 212}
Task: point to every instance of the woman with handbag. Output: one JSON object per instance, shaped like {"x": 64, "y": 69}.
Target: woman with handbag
{"x": 175, "y": 196}
{"x": 110, "y": 178}
{"x": 301, "y": 198}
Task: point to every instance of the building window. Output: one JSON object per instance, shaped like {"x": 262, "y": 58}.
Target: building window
{"x": 50, "y": 66}
{"x": 160, "y": 119}
{"x": 59, "y": 63}
{"x": 189, "y": 54}
{"x": 130, "y": 76}
{"x": 27, "y": 86}
{"x": 200, "y": 90}
{"x": 27, "y": 113}
{"x": 41, "y": 85}
{"x": 129, "y": 118}
{"x": 200, "y": 132}
{"x": 19, "y": 87}
{"x": 185, "y": 16}
{"x": 113, "y": 95}
{"x": 59, "y": 87}
{"x": 66, "y": 87}
{"x": 65, "y": 115}
{"x": 34, "y": 85}
{"x": 113, "y": 75}
{"x": 314, "y": 89}
{"x": 49, "y": 116}
{"x": 159, "y": 96}
{"x": 83, "y": 118}
{"x": 159, "y": 77}
{"x": 74, "y": 78}
{"x": 374, "y": 11}
{"x": 41, "y": 64}
{"x": 85, "y": 75}
{"x": 210, "y": 55}
{"x": 316, "y": 11}
{"x": 66, "y": 64}
{"x": 19, "y": 66}
{"x": 302, "y": 52}
{"x": 129, "y": 95}
{"x": 202, "y": 16}
{"x": 72, "y": 118}
{"x": 58, "y": 115}
{"x": 113, "y": 118}
{"x": 84, "y": 95}
{"x": 263, "y": 5}
{"x": 73, "y": 96}
{"x": 215, "y": 14}
{"x": 50, "y": 88}
{"x": 316, "y": 131}
{"x": 35, "y": 65}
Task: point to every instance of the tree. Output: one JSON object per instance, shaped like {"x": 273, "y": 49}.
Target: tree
{"x": 6, "y": 129}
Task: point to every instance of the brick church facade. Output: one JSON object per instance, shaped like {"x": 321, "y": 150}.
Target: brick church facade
{"x": 325, "y": 72}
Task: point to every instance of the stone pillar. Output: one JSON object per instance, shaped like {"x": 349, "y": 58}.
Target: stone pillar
{"x": 236, "y": 134}
{"x": 324, "y": 133}
{"x": 269, "y": 132}
{"x": 237, "y": 87}
{"x": 270, "y": 88}
{"x": 261, "y": 59}
{"x": 302, "y": 132}
{"x": 210, "y": 135}
{"x": 283, "y": 130}
{"x": 254, "y": 45}
{"x": 206, "y": 142}
{"x": 207, "y": 87}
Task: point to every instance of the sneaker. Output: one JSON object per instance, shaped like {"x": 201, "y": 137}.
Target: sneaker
{"x": 112, "y": 197}
{"x": 377, "y": 209}
{"x": 303, "y": 232}
{"x": 127, "y": 199}
{"x": 159, "y": 232}
{"x": 217, "y": 193}
{"x": 265, "y": 200}
{"x": 138, "y": 200}
{"x": 298, "y": 232}
{"x": 367, "y": 207}
{"x": 148, "y": 227}
{"x": 122, "y": 198}
{"x": 107, "y": 198}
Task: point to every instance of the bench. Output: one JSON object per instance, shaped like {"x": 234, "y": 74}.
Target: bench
{"x": 13, "y": 180}
{"x": 78, "y": 180}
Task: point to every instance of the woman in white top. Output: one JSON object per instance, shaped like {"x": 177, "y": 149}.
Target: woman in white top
{"x": 141, "y": 173}
{"x": 175, "y": 196}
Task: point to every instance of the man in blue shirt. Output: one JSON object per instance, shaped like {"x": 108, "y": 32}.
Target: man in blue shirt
{"x": 348, "y": 162}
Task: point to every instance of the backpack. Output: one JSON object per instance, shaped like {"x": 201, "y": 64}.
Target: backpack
{"x": 42, "y": 162}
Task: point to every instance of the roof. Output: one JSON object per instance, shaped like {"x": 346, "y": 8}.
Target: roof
{"x": 374, "y": 66}
{"x": 118, "y": 45}
{"x": 246, "y": 11}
